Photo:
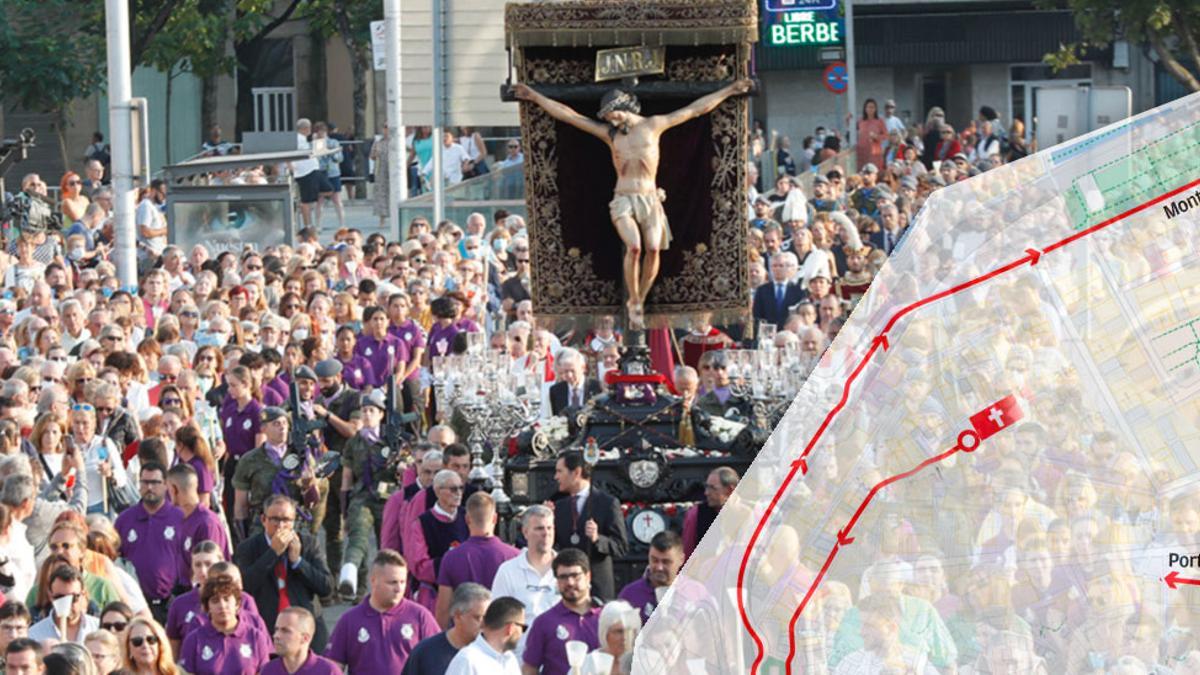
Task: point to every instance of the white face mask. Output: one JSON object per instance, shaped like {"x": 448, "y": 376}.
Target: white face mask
{"x": 300, "y": 334}
{"x": 77, "y": 253}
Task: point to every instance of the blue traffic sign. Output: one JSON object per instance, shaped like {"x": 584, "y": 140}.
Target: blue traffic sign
{"x": 836, "y": 77}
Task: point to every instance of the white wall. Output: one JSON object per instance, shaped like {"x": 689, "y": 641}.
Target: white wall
{"x": 795, "y": 102}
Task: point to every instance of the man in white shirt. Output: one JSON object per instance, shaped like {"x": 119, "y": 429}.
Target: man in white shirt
{"x": 892, "y": 122}
{"x": 308, "y": 175}
{"x": 529, "y": 577}
{"x": 75, "y": 624}
{"x": 493, "y": 652}
{"x": 453, "y": 158}
{"x": 152, "y": 222}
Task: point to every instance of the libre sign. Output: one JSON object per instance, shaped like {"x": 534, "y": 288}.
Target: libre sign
{"x": 797, "y": 23}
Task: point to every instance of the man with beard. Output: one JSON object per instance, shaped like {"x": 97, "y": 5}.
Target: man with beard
{"x": 151, "y": 532}
{"x": 493, "y": 651}
{"x": 576, "y": 617}
{"x": 665, "y": 560}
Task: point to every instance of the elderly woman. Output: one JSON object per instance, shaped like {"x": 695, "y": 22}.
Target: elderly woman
{"x": 100, "y": 455}
{"x": 226, "y": 645}
{"x": 105, "y": 650}
{"x": 619, "y": 625}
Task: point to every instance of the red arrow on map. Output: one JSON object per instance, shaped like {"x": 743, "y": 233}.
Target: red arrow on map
{"x": 1173, "y": 580}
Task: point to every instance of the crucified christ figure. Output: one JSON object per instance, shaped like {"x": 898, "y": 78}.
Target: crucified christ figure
{"x": 636, "y": 209}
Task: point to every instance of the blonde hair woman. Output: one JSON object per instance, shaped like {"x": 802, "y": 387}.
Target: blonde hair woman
{"x": 147, "y": 651}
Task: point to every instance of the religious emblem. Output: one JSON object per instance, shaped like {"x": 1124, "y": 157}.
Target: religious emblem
{"x": 206, "y": 653}
{"x": 245, "y": 651}
{"x": 644, "y": 472}
{"x": 169, "y": 533}
{"x": 190, "y": 615}
{"x": 406, "y": 631}
{"x": 646, "y": 524}
{"x": 363, "y": 635}
{"x": 291, "y": 461}
{"x": 187, "y": 544}
{"x": 247, "y": 424}
{"x": 132, "y": 536}
{"x": 562, "y": 633}
{"x": 367, "y": 351}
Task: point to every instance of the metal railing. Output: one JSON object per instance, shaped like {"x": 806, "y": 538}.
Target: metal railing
{"x": 274, "y": 108}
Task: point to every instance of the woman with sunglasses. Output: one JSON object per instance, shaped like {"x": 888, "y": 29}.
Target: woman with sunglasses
{"x": 147, "y": 651}
{"x": 209, "y": 364}
{"x": 115, "y": 618}
{"x": 100, "y": 456}
{"x": 74, "y": 202}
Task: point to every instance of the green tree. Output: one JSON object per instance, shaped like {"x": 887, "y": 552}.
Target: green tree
{"x": 350, "y": 20}
{"x": 49, "y": 59}
{"x": 1170, "y": 27}
{"x": 192, "y": 41}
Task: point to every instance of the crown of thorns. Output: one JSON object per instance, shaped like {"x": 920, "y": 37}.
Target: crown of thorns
{"x": 618, "y": 100}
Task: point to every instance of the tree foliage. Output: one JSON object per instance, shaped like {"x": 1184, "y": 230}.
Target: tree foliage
{"x": 1169, "y": 27}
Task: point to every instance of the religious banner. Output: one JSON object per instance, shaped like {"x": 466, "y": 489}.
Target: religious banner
{"x": 579, "y": 261}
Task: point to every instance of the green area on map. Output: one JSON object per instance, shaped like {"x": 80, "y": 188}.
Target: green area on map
{"x": 1161, "y": 166}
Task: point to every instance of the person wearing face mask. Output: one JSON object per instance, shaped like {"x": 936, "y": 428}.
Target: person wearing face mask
{"x": 339, "y": 403}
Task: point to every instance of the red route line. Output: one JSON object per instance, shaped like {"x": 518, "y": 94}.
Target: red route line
{"x": 845, "y": 540}
{"x": 1032, "y": 257}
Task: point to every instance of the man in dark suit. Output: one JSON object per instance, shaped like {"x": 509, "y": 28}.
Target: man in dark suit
{"x": 774, "y": 299}
{"x": 887, "y": 238}
{"x": 589, "y": 520}
{"x": 284, "y": 567}
{"x": 573, "y": 388}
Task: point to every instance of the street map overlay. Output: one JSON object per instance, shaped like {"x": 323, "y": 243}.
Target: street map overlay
{"x": 994, "y": 467}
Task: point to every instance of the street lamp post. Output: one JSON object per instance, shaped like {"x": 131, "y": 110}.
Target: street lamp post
{"x": 120, "y": 95}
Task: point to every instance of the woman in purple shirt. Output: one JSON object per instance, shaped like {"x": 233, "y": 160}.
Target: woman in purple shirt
{"x": 356, "y": 370}
{"x": 192, "y": 449}
{"x": 447, "y": 323}
{"x": 241, "y": 422}
{"x": 226, "y": 645}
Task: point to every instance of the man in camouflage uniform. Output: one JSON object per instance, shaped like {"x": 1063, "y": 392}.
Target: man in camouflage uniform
{"x": 337, "y": 403}
{"x": 311, "y": 515}
{"x": 367, "y": 482}
{"x": 263, "y": 472}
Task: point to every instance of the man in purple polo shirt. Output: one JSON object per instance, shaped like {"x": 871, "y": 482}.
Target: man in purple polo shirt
{"x": 227, "y": 643}
{"x": 293, "y": 635}
{"x": 387, "y": 354}
{"x": 186, "y": 614}
{"x": 666, "y": 557}
{"x": 476, "y": 559}
{"x": 576, "y": 617}
{"x": 413, "y": 337}
{"x": 151, "y": 539}
{"x": 377, "y": 635}
{"x": 199, "y": 523}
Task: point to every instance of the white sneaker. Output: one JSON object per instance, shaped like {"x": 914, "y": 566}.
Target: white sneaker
{"x": 348, "y": 580}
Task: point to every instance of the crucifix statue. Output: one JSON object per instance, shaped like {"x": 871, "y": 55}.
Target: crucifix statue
{"x": 636, "y": 208}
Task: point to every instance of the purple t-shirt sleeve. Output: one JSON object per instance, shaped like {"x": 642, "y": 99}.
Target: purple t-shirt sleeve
{"x": 204, "y": 477}
{"x": 535, "y": 644}
{"x": 187, "y": 656}
{"x": 336, "y": 649}
{"x": 175, "y": 621}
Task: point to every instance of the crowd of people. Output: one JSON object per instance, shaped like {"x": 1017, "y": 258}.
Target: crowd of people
{"x": 154, "y": 508}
